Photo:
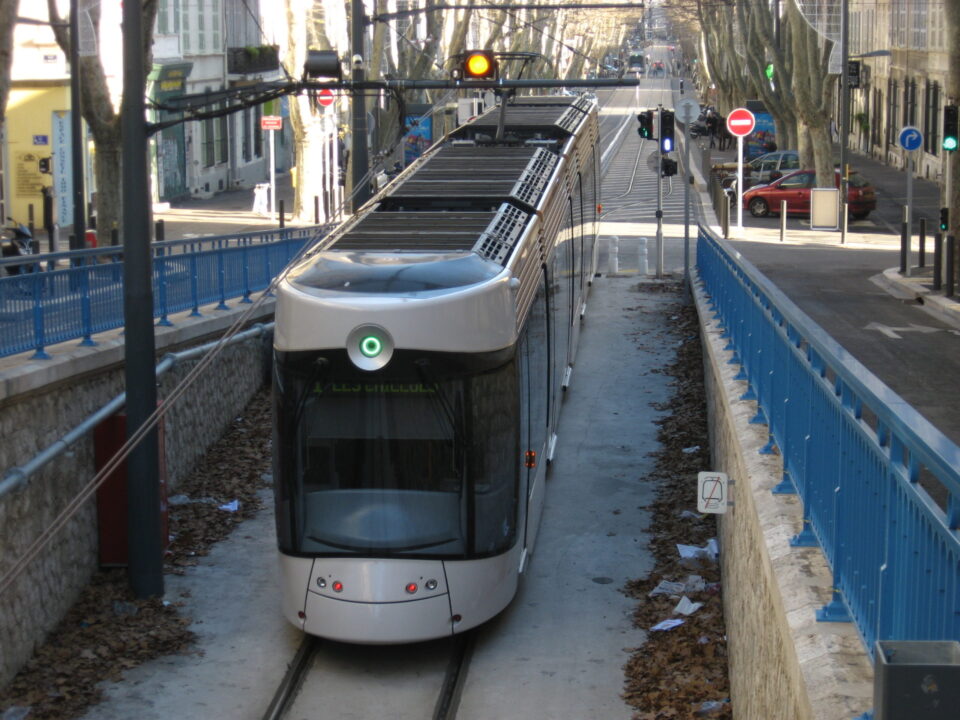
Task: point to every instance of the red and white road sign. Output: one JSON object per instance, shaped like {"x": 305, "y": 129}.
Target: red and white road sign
{"x": 326, "y": 97}
{"x": 741, "y": 122}
{"x": 271, "y": 122}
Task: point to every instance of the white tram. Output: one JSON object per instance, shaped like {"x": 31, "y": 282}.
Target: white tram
{"x": 420, "y": 355}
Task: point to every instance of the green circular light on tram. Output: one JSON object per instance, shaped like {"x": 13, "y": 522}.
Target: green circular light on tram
{"x": 371, "y": 346}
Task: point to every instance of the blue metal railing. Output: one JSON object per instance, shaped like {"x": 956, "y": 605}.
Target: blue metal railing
{"x": 880, "y": 485}
{"x": 68, "y": 295}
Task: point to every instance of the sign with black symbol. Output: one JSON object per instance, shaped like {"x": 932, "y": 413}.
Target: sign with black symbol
{"x": 712, "y": 492}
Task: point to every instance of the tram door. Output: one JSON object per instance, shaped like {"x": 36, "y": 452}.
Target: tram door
{"x": 534, "y": 350}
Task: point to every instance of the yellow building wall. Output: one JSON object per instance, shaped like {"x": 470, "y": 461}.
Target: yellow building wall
{"x": 29, "y": 136}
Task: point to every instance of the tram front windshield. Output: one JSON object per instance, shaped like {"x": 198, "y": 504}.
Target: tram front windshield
{"x": 418, "y": 459}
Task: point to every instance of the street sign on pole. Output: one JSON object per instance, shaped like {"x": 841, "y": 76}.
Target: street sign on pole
{"x": 910, "y": 139}
{"x": 740, "y": 123}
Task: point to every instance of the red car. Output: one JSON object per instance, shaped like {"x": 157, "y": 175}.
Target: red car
{"x": 763, "y": 200}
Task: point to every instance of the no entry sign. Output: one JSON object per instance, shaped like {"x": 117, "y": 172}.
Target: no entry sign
{"x": 325, "y": 97}
{"x": 741, "y": 122}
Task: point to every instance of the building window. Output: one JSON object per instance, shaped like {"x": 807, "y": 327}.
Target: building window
{"x": 877, "y": 124}
{"x": 918, "y": 35}
{"x": 246, "y": 150}
{"x": 910, "y": 102}
{"x": 223, "y": 134}
{"x": 893, "y": 109}
{"x": 257, "y": 132}
{"x": 185, "y": 35}
{"x": 931, "y": 119}
{"x": 201, "y": 26}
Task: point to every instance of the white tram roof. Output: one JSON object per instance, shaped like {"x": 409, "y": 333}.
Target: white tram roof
{"x": 441, "y": 235}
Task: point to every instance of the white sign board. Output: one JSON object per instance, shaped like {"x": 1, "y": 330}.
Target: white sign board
{"x": 824, "y": 208}
{"x": 712, "y": 492}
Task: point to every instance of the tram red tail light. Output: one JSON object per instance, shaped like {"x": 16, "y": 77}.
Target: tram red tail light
{"x": 530, "y": 459}
{"x": 337, "y": 586}
{"x": 411, "y": 588}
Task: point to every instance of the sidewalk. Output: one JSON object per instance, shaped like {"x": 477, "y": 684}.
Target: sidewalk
{"x": 890, "y": 183}
{"x": 226, "y": 213}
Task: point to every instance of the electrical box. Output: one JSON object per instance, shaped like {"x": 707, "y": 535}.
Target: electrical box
{"x": 916, "y": 680}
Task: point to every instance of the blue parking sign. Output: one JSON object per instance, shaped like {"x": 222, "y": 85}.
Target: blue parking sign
{"x": 910, "y": 138}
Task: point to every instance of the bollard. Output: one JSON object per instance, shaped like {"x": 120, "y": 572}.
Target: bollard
{"x": 316, "y": 209}
{"x": 281, "y": 214}
{"x": 725, "y": 218}
{"x": 922, "y": 261}
{"x": 642, "y": 264}
{"x": 951, "y": 253}
{"x": 613, "y": 260}
{"x": 160, "y": 230}
{"x": 904, "y": 239}
{"x": 783, "y": 219}
{"x": 937, "y": 261}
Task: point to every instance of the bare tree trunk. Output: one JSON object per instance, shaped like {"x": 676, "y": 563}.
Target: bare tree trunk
{"x": 953, "y": 91}
{"x": 8, "y": 23}
{"x": 97, "y": 109}
{"x": 812, "y": 91}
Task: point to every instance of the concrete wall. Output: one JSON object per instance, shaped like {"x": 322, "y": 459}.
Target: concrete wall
{"x": 783, "y": 663}
{"x": 40, "y": 401}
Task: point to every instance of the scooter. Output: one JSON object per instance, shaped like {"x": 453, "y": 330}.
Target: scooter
{"x": 15, "y": 241}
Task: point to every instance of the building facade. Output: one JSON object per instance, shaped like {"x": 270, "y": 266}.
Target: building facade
{"x": 906, "y": 84}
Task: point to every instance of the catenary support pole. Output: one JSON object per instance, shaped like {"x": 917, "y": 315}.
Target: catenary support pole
{"x": 143, "y": 477}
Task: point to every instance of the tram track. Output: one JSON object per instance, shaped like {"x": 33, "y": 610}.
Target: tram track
{"x": 298, "y": 677}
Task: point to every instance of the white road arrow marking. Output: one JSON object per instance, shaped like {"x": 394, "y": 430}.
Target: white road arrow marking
{"x": 891, "y": 332}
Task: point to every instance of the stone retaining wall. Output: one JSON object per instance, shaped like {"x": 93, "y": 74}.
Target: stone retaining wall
{"x": 40, "y": 401}
{"x": 783, "y": 663}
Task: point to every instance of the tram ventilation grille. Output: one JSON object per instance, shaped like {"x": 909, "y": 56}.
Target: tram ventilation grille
{"x": 582, "y": 104}
{"x": 503, "y": 232}
{"x": 535, "y": 176}
{"x": 570, "y": 119}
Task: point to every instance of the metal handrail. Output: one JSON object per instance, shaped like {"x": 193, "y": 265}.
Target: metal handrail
{"x": 56, "y": 297}
{"x": 893, "y": 550}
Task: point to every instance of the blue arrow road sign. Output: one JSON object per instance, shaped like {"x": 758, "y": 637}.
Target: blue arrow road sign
{"x": 910, "y": 138}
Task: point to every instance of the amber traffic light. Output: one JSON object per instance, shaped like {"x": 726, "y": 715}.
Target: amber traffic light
{"x": 477, "y": 65}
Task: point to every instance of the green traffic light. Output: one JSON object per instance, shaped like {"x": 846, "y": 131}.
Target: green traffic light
{"x": 950, "y": 143}
{"x": 768, "y": 71}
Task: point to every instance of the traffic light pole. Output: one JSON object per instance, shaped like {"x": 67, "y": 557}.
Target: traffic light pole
{"x": 659, "y": 194}
{"x": 359, "y": 161}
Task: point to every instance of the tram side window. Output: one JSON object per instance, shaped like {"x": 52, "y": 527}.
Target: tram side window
{"x": 538, "y": 340}
{"x": 494, "y": 419}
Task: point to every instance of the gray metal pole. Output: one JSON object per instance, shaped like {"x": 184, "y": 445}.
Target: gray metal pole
{"x": 659, "y": 193}
{"x": 908, "y": 211}
{"x": 688, "y": 181}
{"x": 76, "y": 132}
{"x": 143, "y": 482}
{"x": 844, "y": 96}
{"x": 358, "y": 154}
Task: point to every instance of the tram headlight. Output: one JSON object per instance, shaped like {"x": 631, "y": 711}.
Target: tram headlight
{"x": 370, "y": 347}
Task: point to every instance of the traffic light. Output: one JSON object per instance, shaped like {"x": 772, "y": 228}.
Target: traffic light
{"x": 668, "y": 167}
{"x": 944, "y": 219}
{"x": 646, "y": 124}
{"x": 477, "y": 65}
{"x": 666, "y": 130}
{"x": 950, "y": 128}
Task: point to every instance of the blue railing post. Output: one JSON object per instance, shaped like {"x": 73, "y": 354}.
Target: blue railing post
{"x": 221, "y": 280}
{"x": 246, "y": 272}
{"x": 160, "y": 263}
{"x": 194, "y": 283}
{"x": 86, "y": 316}
{"x": 38, "y": 335}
